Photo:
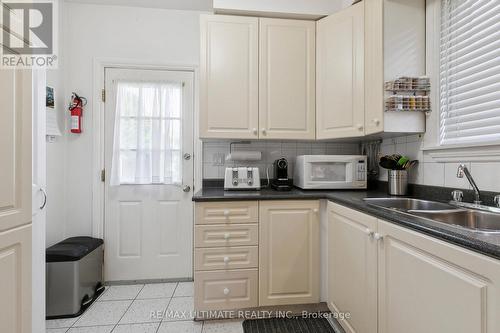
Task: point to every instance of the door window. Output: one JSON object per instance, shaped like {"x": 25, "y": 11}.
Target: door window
{"x": 147, "y": 133}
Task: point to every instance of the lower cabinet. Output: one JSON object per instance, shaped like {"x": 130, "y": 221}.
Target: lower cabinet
{"x": 288, "y": 252}
{"x": 427, "y": 285}
{"x": 390, "y": 279}
{"x": 352, "y": 268}
{"x": 224, "y": 290}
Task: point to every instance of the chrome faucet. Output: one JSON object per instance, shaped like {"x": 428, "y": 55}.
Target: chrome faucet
{"x": 462, "y": 170}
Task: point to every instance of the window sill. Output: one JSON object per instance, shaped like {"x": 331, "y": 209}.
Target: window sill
{"x": 470, "y": 153}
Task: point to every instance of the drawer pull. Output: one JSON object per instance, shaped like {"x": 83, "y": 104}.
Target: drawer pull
{"x": 226, "y": 291}
{"x": 227, "y": 235}
{"x": 226, "y": 260}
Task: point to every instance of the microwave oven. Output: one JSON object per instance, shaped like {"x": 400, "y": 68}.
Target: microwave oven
{"x": 330, "y": 172}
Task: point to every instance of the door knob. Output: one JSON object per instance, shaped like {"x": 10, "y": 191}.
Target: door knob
{"x": 186, "y": 188}
{"x": 187, "y": 156}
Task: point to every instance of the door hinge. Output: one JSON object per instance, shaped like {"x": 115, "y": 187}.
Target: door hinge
{"x": 103, "y": 175}
{"x": 103, "y": 95}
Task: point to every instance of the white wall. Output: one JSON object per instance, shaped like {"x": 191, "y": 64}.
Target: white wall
{"x": 149, "y": 36}
{"x": 56, "y": 151}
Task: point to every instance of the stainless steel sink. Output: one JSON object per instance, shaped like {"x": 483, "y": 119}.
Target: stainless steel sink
{"x": 406, "y": 204}
{"x": 476, "y": 220}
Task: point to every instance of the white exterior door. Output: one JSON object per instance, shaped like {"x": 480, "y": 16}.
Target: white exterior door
{"x": 15, "y": 200}
{"x": 149, "y": 227}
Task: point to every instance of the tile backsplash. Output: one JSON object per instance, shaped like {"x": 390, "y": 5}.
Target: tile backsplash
{"x": 215, "y": 152}
{"x": 429, "y": 172}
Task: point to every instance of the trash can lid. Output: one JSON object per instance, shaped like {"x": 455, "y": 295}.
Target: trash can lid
{"x": 72, "y": 249}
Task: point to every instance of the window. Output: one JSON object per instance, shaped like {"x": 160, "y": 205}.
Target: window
{"x": 147, "y": 133}
{"x": 470, "y": 72}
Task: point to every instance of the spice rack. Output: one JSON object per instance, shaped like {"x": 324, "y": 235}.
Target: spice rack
{"x": 407, "y": 94}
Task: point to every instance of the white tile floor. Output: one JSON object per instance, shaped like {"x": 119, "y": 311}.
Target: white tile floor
{"x": 127, "y": 309}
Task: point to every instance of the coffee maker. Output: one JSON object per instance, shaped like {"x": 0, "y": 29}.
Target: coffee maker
{"x": 281, "y": 181}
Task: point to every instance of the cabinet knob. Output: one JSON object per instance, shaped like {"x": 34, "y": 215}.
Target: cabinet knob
{"x": 378, "y": 237}
{"x": 255, "y": 131}
{"x": 360, "y": 127}
{"x": 227, "y": 235}
{"x": 226, "y": 291}
{"x": 369, "y": 232}
{"x": 264, "y": 131}
{"x": 226, "y": 213}
{"x": 376, "y": 121}
{"x": 315, "y": 210}
{"x": 226, "y": 260}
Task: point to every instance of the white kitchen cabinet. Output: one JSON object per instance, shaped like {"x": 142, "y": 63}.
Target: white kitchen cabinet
{"x": 229, "y": 77}
{"x": 390, "y": 279}
{"x": 340, "y": 87}
{"x": 359, "y": 49}
{"x": 288, "y": 252}
{"x": 287, "y": 95}
{"x": 427, "y": 285}
{"x": 255, "y": 87}
{"x": 352, "y": 268}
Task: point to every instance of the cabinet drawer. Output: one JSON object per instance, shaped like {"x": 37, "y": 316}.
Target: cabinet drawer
{"x": 227, "y": 212}
{"x": 225, "y": 290}
{"x": 209, "y": 259}
{"x": 226, "y": 235}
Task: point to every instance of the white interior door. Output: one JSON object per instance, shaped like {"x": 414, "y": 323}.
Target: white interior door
{"x": 148, "y": 226}
{"x": 15, "y": 200}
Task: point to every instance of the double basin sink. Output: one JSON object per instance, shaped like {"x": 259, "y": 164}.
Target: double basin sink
{"x": 485, "y": 219}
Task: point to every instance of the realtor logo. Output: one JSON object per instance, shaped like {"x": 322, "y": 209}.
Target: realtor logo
{"x": 28, "y": 34}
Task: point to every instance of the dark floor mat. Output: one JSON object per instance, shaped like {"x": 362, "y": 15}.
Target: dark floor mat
{"x": 287, "y": 325}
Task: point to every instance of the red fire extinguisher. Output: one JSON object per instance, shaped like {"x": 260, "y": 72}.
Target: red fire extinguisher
{"x": 76, "y": 108}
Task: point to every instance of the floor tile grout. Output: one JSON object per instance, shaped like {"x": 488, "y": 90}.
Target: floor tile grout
{"x": 124, "y": 313}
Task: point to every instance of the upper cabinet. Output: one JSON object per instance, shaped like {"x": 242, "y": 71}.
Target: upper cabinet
{"x": 229, "y": 91}
{"x": 340, "y": 74}
{"x": 359, "y": 49}
{"x": 257, "y": 86}
{"x": 287, "y": 94}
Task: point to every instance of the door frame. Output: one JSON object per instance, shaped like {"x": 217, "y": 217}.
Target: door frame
{"x": 100, "y": 64}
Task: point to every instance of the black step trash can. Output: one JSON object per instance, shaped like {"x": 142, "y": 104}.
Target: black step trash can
{"x": 73, "y": 276}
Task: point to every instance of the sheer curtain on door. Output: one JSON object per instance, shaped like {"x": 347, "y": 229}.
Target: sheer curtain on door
{"x": 147, "y": 133}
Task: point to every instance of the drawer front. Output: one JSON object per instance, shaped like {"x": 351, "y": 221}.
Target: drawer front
{"x": 226, "y": 235}
{"x": 209, "y": 259}
{"x": 225, "y": 290}
{"x": 227, "y": 212}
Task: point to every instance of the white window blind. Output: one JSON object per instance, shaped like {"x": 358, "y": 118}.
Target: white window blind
{"x": 147, "y": 133}
{"x": 470, "y": 72}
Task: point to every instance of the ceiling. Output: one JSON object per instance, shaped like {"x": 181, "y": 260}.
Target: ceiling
{"x": 201, "y": 5}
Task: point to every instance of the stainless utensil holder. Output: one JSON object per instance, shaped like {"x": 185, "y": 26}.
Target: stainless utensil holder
{"x": 398, "y": 182}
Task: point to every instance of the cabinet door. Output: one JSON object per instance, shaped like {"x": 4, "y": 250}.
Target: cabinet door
{"x": 289, "y": 252}
{"x": 16, "y": 209}
{"x": 287, "y": 79}
{"x": 427, "y": 285}
{"x": 352, "y": 268}
{"x": 229, "y": 77}
{"x": 340, "y": 73}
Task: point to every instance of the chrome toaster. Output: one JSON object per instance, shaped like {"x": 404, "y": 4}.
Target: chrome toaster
{"x": 242, "y": 178}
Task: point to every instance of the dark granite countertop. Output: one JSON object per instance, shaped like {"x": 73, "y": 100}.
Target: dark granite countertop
{"x": 488, "y": 244}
